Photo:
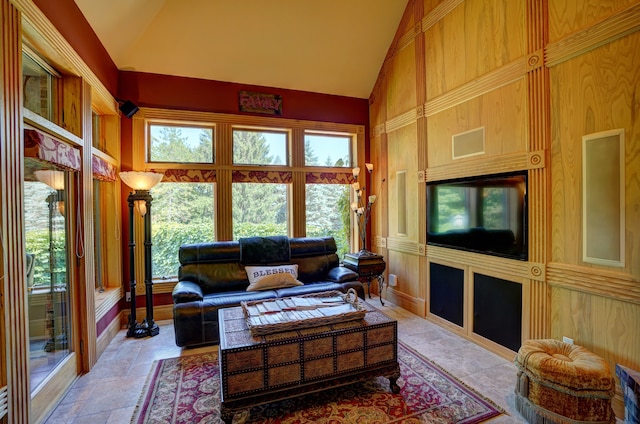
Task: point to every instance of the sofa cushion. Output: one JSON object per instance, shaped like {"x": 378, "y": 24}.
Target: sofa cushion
{"x": 271, "y": 277}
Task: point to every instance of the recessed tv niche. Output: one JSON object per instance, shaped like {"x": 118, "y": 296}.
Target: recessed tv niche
{"x": 485, "y": 214}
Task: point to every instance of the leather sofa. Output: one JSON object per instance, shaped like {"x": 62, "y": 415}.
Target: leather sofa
{"x": 213, "y": 276}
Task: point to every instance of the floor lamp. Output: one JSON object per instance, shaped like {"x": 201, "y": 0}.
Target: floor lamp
{"x": 140, "y": 199}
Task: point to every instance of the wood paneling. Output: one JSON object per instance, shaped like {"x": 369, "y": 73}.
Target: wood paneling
{"x": 503, "y": 114}
{"x": 401, "y": 86}
{"x": 606, "y": 326}
{"x": 405, "y": 267}
{"x": 537, "y": 75}
{"x": 592, "y": 93}
{"x": 568, "y": 16}
{"x": 494, "y": 28}
{"x": 617, "y": 25}
{"x": 399, "y": 142}
{"x": 14, "y": 369}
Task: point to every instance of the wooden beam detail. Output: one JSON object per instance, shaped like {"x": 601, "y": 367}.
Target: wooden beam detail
{"x": 403, "y": 245}
{"x": 400, "y": 121}
{"x": 87, "y": 304}
{"x": 619, "y": 286}
{"x": 468, "y": 168}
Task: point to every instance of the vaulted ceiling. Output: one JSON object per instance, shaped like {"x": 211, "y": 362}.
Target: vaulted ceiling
{"x": 323, "y": 46}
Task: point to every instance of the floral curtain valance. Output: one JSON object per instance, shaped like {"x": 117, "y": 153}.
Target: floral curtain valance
{"x": 187, "y": 175}
{"x": 44, "y": 147}
{"x": 278, "y": 177}
{"x": 102, "y": 170}
{"x": 329, "y": 178}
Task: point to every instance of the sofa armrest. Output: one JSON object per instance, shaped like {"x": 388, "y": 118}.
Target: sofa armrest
{"x": 340, "y": 274}
{"x": 186, "y": 291}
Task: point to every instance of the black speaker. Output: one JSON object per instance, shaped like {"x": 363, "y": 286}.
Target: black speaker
{"x": 128, "y": 108}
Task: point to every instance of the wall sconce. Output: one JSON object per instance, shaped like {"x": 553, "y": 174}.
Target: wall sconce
{"x": 140, "y": 199}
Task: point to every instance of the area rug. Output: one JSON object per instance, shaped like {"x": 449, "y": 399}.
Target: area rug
{"x": 187, "y": 390}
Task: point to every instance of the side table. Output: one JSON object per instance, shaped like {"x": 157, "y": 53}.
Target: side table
{"x": 369, "y": 266}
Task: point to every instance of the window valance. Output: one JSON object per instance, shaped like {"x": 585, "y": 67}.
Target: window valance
{"x": 187, "y": 175}
{"x": 46, "y": 148}
{"x": 329, "y": 178}
{"x": 102, "y": 170}
{"x": 278, "y": 177}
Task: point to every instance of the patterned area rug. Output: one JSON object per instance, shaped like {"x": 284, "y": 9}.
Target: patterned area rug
{"x": 187, "y": 390}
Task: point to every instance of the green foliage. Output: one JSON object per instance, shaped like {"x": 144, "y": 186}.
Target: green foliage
{"x": 168, "y": 144}
{"x": 37, "y": 243}
{"x": 251, "y": 147}
{"x": 167, "y": 237}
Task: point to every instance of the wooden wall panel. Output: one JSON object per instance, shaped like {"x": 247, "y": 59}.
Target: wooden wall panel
{"x": 401, "y": 87}
{"x": 494, "y": 28}
{"x": 606, "y": 326}
{"x": 399, "y": 142}
{"x": 592, "y": 93}
{"x": 405, "y": 267}
{"x": 568, "y": 16}
{"x": 503, "y": 114}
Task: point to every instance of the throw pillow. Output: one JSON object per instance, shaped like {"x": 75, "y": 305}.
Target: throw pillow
{"x": 272, "y": 277}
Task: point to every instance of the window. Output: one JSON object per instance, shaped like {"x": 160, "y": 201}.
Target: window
{"x": 39, "y": 84}
{"x": 328, "y": 213}
{"x": 256, "y": 147}
{"x": 327, "y": 150}
{"x": 181, "y": 213}
{"x": 180, "y": 144}
{"x": 266, "y": 172}
{"x": 259, "y": 209}
{"x": 97, "y": 137}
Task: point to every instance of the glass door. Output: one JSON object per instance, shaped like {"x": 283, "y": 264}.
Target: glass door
{"x": 47, "y": 259}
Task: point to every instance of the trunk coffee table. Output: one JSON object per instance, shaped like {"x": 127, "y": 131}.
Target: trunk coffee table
{"x": 261, "y": 369}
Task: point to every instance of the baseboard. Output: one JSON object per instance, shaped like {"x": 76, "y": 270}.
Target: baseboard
{"x": 160, "y": 313}
{"x": 412, "y": 304}
{"x": 109, "y": 334}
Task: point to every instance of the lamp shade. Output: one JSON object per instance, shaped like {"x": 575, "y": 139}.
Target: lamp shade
{"x": 139, "y": 180}
{"x": 52, "y": 178}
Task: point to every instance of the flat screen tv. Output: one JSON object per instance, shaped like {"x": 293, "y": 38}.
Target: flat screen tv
{"x": 485, "y": 214}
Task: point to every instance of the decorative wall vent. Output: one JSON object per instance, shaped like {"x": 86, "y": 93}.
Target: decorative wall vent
{"x": 469, "y": 143}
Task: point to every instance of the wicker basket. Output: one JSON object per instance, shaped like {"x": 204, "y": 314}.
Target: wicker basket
{"x": 352, "y": 309}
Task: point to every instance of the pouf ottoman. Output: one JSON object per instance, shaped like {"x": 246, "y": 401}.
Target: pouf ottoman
{"x": 563, "y": 383}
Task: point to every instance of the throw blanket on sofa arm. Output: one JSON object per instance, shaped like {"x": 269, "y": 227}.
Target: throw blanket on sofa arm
{"x": 264, "y": 250}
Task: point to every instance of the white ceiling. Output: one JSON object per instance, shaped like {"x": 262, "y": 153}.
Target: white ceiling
{"x": 324, "y": 46}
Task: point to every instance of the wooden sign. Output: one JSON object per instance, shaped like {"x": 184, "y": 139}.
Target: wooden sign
{"x": 260, "y": 103}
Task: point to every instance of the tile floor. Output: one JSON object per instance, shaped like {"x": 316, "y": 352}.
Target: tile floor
{"x": 109, "y": 393}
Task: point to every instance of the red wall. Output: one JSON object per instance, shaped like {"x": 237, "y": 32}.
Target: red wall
{"x": 163, "y": 91}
